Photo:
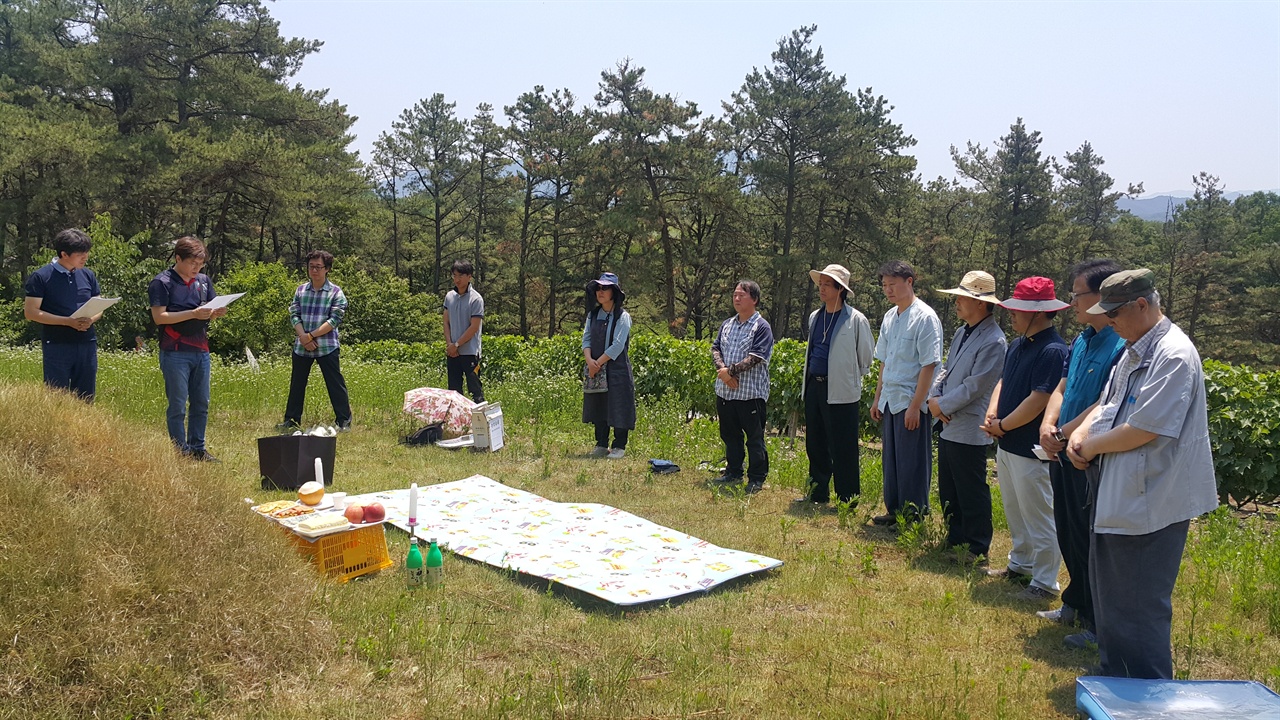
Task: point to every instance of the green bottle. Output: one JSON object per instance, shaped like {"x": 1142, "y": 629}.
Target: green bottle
{"x": 413, "y": 565}
{"x": 435, "y": 565}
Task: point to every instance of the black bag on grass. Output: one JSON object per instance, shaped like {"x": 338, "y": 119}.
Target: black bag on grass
{"x": 428, "y": 435}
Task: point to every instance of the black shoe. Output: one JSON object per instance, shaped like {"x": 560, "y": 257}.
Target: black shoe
{"x": 288, "y": 426}
{"x": 885, "y": 520}
{"x": 344, "y": 427}
{"x": 727, "y": 479}
{"x": 754, "y": 486}
{"x": 806, "y": 500}
{"x": 204, "y": 456}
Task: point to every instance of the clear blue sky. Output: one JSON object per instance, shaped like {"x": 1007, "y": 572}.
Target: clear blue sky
{"x": 1162, "y": 90}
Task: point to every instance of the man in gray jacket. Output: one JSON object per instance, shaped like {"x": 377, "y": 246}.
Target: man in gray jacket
{"x": 958, "y": 401}
{"x": 839, "y": 354}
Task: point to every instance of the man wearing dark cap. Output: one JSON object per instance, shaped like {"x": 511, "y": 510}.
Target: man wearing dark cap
{"x": 1152, "y": 429}
{"x": 1032, "y": 368}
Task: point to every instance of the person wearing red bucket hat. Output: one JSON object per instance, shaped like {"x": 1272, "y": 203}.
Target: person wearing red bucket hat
{"x": 1032, "y": 368}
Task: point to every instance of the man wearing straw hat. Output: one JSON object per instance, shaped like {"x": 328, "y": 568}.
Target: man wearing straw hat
{"x": 909, "y": 350}
{"x": 839, "y": 354}
{"x": 1152, "y": 429}
{"x": 1032, "y": 368}
{"x": 958, "y": 402}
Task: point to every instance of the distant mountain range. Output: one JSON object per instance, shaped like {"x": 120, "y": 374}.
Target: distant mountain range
{"x": 1161, "y": 207}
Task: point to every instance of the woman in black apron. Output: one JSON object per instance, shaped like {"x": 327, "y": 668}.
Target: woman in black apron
{"x": 609, "y": 402}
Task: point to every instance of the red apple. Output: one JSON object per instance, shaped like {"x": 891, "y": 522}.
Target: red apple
{"x": 355, "y": 514}
{"x": 374, "y": 512}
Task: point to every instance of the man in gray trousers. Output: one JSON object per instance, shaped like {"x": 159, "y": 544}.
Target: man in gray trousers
{"x": 1152, "y": 430}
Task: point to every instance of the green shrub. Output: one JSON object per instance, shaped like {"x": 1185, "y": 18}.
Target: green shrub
{"x": 380, "y": 306}
{"x": 122, "y": 273}
{"x": 1244, "y": 414}
{"x": 260, "y": 319}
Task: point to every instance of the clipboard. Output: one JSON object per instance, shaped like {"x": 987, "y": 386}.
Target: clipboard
{"x": 95, "y": 305}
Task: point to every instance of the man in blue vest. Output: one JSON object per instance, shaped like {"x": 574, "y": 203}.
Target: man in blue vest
{"x": 69, "y": 346}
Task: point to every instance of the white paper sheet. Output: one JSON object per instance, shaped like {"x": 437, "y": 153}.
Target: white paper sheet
{"x": 222, "y": 301}
{"x": 95, "y": 305}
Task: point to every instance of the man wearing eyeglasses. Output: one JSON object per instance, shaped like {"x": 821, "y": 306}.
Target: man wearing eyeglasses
{"x": 1093, "y": 353}
{"x": 316, "y": 312}
{"x": 1150, "y": 433}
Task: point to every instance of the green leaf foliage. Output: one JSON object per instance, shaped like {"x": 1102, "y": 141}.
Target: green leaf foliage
{"x": 1244, "y": 419}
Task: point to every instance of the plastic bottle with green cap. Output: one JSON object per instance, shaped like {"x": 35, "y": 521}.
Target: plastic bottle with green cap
{"x": 435, "y": 565}
{"x": 413, "y": 564}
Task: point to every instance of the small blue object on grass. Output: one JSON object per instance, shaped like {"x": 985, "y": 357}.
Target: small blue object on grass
{"x": 1109, "y": 698}
{"x": 662, "y": 467}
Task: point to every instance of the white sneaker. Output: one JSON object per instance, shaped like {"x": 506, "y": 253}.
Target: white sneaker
{"x": 616, "y": 454}
{"x": 598, "y": 452}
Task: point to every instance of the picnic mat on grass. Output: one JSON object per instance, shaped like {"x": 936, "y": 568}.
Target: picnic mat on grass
{"x": 600, "y": 550}
{"x": 1108, "y": 698}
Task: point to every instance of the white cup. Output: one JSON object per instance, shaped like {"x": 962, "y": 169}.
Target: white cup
{"x": 339, "y": 500}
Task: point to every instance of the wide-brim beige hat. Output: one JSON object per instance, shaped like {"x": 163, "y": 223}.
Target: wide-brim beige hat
{"x": 978, "y": 285}
{"x": 839, "y": 273}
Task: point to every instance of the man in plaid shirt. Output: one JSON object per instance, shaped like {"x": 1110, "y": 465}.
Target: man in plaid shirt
{"x": 316, "y": 312}
{"x": 741, "y": 353}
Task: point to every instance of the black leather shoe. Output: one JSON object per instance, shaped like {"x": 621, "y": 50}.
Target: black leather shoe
{"x": 204, "y": 456}
{"x": 885, "y": 520}
{"x": 727, "y": 479}
{"x": 754, "y": 486}
{"x": 288, "y": 426}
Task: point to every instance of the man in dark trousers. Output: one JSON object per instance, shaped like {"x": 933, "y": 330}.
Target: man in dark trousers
{"x": 741, "y": 353}
{"x": 1093, "y": 354}
{"x": 958, "y": 401}
{"x": 316, "y": 312}
{"x": 463, "y": 318}
{"x": 1151, "y": 429}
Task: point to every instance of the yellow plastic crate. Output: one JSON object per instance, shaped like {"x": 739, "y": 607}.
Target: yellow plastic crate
{"x": 349, "y": 554}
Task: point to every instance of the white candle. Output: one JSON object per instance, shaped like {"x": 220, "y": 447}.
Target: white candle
{"x": 319, "y": 471}
{"x": 413, "y": 504}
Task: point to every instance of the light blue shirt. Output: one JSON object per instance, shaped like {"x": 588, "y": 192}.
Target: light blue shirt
{"x": 909, "y": 340}
{"x": 619, "y": 336}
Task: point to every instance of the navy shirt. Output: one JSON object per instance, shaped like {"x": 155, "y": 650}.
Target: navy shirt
{"x": 169, "y": 291}
{"x": 62, "y": 292}
{"x": 1032, "y": 364}
{"x": 820, "y": 342}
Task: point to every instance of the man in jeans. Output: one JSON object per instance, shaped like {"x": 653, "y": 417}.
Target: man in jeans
{"x": 69, "y": 346}
{"x": 316, "y": 312}
{"x": 741, "y": 353}
{"x": 463, "y": 316}
{"x": 177, "y": 297}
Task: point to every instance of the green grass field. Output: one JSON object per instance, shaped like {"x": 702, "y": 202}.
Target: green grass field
{"x": 134, "y": 583}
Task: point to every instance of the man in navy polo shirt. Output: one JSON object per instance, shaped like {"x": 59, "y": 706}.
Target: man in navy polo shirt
{"x": 69, "y": 345}
{"x": 177, "y": 298}
{"x": 1032, "y": 368}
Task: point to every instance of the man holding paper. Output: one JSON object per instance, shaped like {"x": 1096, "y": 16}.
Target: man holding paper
{"x": 178, "y": 297}
{"x": 68, "y": 344}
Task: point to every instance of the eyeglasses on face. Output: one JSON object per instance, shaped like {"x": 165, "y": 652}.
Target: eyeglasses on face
{"x": 316, "y": 267}
{"x": 1116, "y": 311}
{"x": 1077, "y": 295}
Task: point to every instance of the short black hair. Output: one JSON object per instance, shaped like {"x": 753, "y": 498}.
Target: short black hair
{"x": 1093, "y": 272}
{"x": 322, "y": 255}
{"x": 1050, "y": 314}
{"x": 897, "y": 268}
{"x": 71, "y": 241}
{"x": 844, "y": 295}
{"x": 463, "y": 266}
{"x": 751, "y": 286}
